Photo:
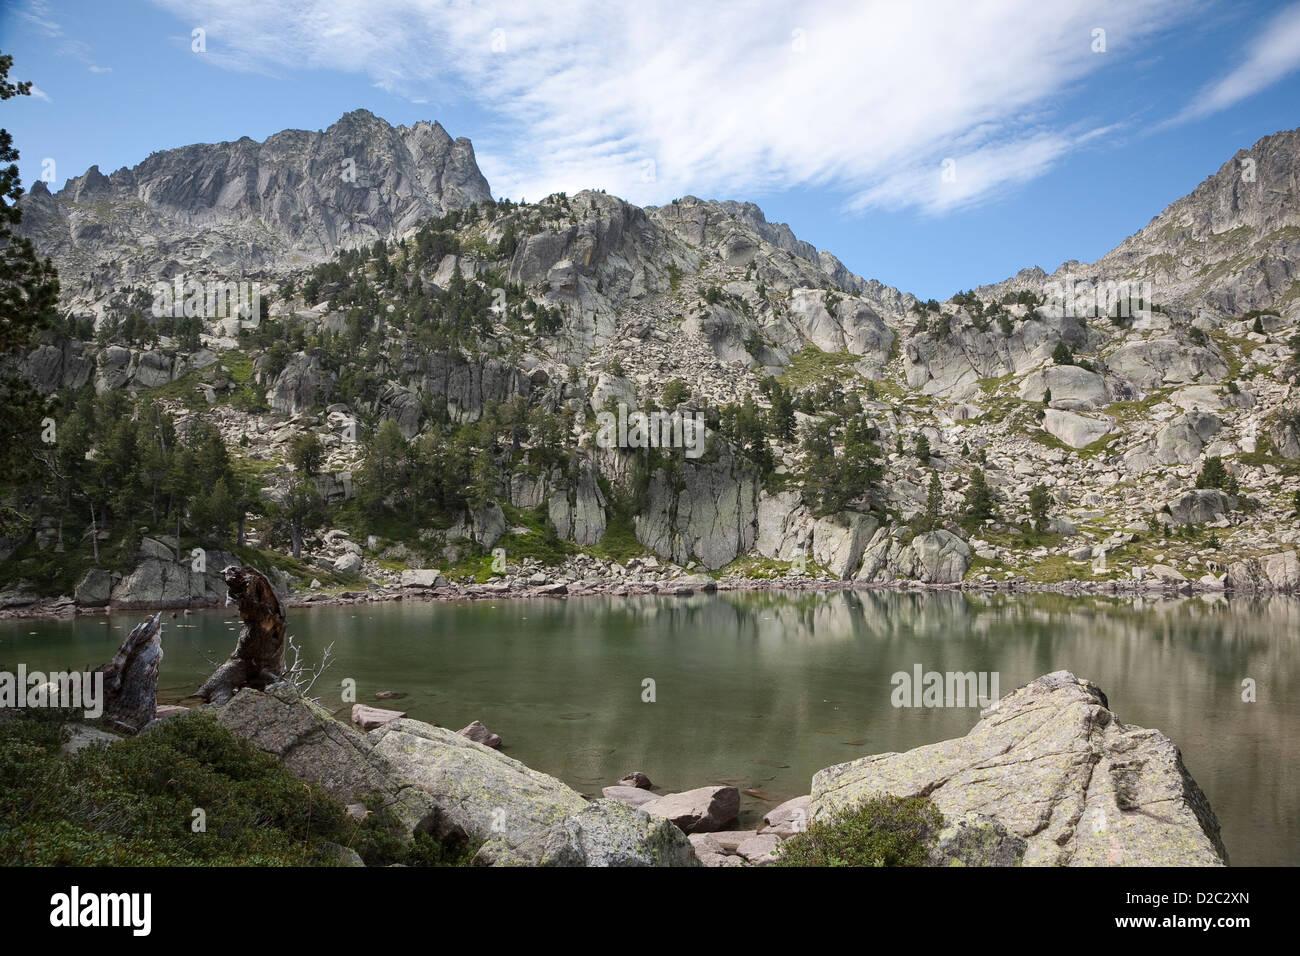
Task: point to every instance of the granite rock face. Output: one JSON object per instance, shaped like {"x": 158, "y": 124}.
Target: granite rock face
{"x": 296, "y": 197}
{"x": 1053, "y": 766}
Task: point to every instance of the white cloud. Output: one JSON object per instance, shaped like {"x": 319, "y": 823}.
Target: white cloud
{"x": 40, "y": 94}
{"x": 653, "y": 100}
{"x": 1273, "y": 54}
{"x": 957, "y": 182}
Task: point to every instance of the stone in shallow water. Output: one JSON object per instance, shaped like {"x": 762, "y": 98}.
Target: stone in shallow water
{"x": 368, "y": 718}
{"x": 636, "y": 779}
{"x": 481, "y": 735}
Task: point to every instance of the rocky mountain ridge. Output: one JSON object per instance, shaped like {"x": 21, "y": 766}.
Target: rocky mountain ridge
{"x": 246, "y": 207}
{"x": 578, "y": 304}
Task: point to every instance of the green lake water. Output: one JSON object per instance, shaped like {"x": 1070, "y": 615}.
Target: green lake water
{"x": 761, "y": 690}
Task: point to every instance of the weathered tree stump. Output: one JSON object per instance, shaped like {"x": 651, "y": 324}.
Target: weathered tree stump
{"x": 131, "y": 677}
{"x": 258, "y": 659}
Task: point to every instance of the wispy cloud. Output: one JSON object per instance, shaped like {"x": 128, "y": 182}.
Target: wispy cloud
{"x": 39, "y": 15}
{"x": 40, "y": 94}
{"x": 81, "y": 51}
{"x": 652, "y": 100}
{"x": 1273, "y": 54}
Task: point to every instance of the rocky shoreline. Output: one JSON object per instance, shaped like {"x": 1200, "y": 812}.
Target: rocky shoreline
{"x": 1048, "y": 776}
{"x": 64, "y": 606}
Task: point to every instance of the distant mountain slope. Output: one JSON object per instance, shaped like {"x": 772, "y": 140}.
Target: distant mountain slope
{"x": 1232, "y": 245}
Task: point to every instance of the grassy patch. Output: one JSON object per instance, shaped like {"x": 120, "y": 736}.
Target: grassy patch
{"x": 619, "y": 542}
{"x": 264, "y": 559}
{"x": 811, "y": 365}
{"x": 758, "y": 567}
{"x": 1048, "y": 440}
{"x": 239, "y": 365}
{"x": 541, "y": 543}
{"x": 991, "y": 386}
{"x": 1128, "y": 411}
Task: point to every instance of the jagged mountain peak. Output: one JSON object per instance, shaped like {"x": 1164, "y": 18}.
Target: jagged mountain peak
{"x": 244, "y": 206}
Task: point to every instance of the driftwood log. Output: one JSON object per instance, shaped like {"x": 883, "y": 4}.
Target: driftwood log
{"x": 258, "y": 658}
{"x": 131, "y": 677}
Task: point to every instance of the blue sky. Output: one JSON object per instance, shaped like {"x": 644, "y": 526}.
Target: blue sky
{"x": 934, "y": 146}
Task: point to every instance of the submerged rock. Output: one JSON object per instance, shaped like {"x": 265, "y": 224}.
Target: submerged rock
{"x": 1051, "y": 765}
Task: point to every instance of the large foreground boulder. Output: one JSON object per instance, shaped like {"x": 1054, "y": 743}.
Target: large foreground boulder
{"x": 313, "y": 746}
{"x": 1051, "y": 765}
{"x": 437, "y": 781}
{"x": 483, "y": 793}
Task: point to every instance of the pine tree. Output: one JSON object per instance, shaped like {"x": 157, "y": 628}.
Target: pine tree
{"x": 29, "y": 290}
{"x": 980, "y": 505}
{"x": 934, "y": 503}
{"x": 1040, "y": 501}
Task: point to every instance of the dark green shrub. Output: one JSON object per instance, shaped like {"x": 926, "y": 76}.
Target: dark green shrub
{"x": 886, "y": 831}
{"x": 132, "y": 804}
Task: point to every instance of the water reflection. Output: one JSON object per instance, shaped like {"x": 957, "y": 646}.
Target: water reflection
{"x": 763, "y": 689}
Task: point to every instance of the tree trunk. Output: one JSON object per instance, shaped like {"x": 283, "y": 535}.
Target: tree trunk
{"x": 94, "y": 534}
{"x": 131, "y": 677}
{"x": 258, "y": 658}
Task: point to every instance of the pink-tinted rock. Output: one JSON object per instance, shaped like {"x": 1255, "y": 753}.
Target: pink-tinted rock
{"x": 481, "y": 735}
{"x": 697, "y": 811}
{"x": 368, "y": 718}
